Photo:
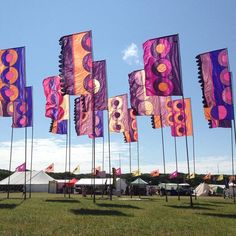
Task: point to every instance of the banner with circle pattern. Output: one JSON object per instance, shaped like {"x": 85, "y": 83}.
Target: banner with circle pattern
{"x": 76, "y": 63}
{"x": 162, "y": 66}
{"x": 215, "y": 80}
{"x": 12, "y": 74}
{"x": 23, "y": 110}
{"x": 118, "y": 113}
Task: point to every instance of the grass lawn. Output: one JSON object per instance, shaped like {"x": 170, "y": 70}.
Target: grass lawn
{"x": 50, "y": 214}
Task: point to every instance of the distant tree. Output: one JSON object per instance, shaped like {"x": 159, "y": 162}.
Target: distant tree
{"x": 4, "y": 174}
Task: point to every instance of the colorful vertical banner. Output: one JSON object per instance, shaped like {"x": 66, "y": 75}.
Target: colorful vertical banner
{"x": 131, "y": 135}
{"x": 21, "y": 167}
{"x": 182, "y": 118}
{"x": 57, "y": 105}
{"x": 220, "y": 178}
{"x": 6, "y": 109}
{"x": 100, "y": 85}
{"x": 155, "y": 173}
{"x": 207, "y": 176}
{"x": 173, "y": 175}
{"x": 164, "y": 118}
{"x": 50, "y": 168}
{"x": 59, "y": 127}
{"x": 118, "y": 115}
{"x": 142, "y": 104}
{"x": 162, "y": 66}
{"x": 118, "y": 172}
{"x": 76, "y": 63}
{"x": 23, "y": 110}
{"x": 76, "y": 170}
{"x": 215, "y": 80}
{"x": 98, "y": 131}
{"x": 83, "y": 115}
{"x": 136, "y": 173}
{"x": 12, "y": 74}
{"x": 191, "y": 176}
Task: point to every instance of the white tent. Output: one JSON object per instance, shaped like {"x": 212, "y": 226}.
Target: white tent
{"x": 202, "y": 189}
{"x": 39, "y": 180}
{"x": 99, "y": 182}
{"x": 174, "y": 186}
{"x": 139, "y": 181}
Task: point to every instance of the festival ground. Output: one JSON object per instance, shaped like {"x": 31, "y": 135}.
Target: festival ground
{"x": 50, "y": 214}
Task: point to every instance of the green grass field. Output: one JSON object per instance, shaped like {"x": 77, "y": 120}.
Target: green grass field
{"x": 50, "y": 214}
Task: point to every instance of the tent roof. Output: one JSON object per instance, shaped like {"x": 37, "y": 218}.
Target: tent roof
{"x": 216, "y": 185}
{"x": 98, "y": 181}
{"x": 232, "y": 184}
{"x": 202, "y": 189}
{"x": 18, "y": 178}
{"x": 139, "y": 181}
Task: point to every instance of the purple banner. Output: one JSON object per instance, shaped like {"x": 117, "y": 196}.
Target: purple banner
{"x": 54, "y": 99}
{"x": 82, "y": 117}
{"x": 132, "y": 134}
{"x": 6, "y": 109}
{"x": 12, "y": 74}
{"x": 76, "y": 63}
{"x": 58, "y": 127}
{"x": 23, "y": 111}
{"x": 142, "y": 104}
{"x": 162, "y": 66}
{"x": 98, "y": 125}
{"x": 215, "y": 80}
{"x": 100, "y": 86}
{"x": 118, "y": 113}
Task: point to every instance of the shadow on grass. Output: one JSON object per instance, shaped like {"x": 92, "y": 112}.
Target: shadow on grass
{"x": 8, "y": 206}
{"x": 117, "y": 206}
{"x": 62, "y": 200}
{"x": 205, "y": 204}
{"x": 189, "y": 207}
{"x": 231, "y": 216}
{"x": 222, "y": 203}
{"x": 97, "y": 212}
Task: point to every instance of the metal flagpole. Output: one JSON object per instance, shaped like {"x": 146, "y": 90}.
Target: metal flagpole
{"x": 109, "y": 143}
{"x": 231, "y": 76}
{"x": 8, "y": 187}
{"x": 31, "y": 161}
{"x": 103, "y": 154}
{"x": 163, "y": 148}
{"x": 120, "y": 174}
{"x": 130, "y": 157}
{"x": 109, "y": 154}
{"x": 176, "y": 165}
{"x": 64, "y": 189}
{"x": 93, "y": 171}
{"x": 194, "y": 156}
{"x": 94, "y": 143}
{"x": 94, "y": 163}
{"x": 24, "y": 190}
{"x": 187, "y": 152}
{"x": 69, "y": 157}
{"x": 232, "y": 150}
{"x": 163, "y": 155}
{"x": 103, "y": 161}
{"x": 138, "y": 168}
{"x": 32, "y": 141}
{"x": 186, "y": 139}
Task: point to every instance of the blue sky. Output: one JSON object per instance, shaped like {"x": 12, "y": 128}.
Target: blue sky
{"x": 119, "y": 29}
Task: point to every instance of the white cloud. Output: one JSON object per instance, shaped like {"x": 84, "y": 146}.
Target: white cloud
{"x": 131, "y": 55}
{"x": 47, "y": 151}
{"x": 203, "y": 165}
